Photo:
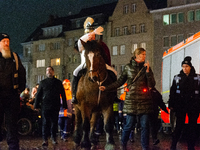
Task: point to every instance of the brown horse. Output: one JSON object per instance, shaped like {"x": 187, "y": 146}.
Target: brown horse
{"x": 92, "y": 102}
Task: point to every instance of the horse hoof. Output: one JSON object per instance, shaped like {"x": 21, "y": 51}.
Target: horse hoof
{"x": 109, "y": 147}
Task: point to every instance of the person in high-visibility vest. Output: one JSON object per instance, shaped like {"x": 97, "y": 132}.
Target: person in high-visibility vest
{"x": 65, "y": 115}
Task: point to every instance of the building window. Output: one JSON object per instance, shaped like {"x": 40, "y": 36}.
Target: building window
{"x": 180, "y": 17}
{"x": 122, "y": 49}
{"x": 125, "y": 30}
{"x": 180, "y": 38}
{"x": 142, "y": 28}
{"x": 69, "y": 76}
{"x": 75, "y": 59}
{"x": 27, "y": 52}
{"x": 116, "y": 31}
{"x": 125, "y": 9}
{"x": 70, "y": 58}
{"x": 40, "y": 63}
{"x": 166, "y": 19}
{"x": 190, "y": 16}
{"x": 173, "y": 18}
{"x": 78, "y": 23}
{"x": 70, "y": 42}
{"x": 197, "y": 15}
{"x": 41, "y": 47}
{"x": 173, "y": 40}
{"x": 39, "y": 78}
{"x": 166, "y": 42}
{"x": 114, "y": 50}
{"x": 122, "y": 68}
{"x": 143, "y": 45}
{"x": 134, "y": 46}
{"x": 133, "y": 8}
{"x": 56, "y": 45}
{"x": 55, "y": 62}
{"x": 134, "y": 29}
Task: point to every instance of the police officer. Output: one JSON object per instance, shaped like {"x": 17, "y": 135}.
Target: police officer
{"x": 185, "y": 99}
{"x": 12, "y": 83}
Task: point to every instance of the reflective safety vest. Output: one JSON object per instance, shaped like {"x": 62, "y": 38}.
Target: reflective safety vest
{"x": 115, "y": 107}
{"x": 15, "y": 79}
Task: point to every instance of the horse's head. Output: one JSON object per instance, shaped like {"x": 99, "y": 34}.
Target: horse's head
{"x": 94, "y": 54}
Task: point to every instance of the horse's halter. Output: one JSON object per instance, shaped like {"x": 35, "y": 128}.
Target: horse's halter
{"x": 98, "y": 72}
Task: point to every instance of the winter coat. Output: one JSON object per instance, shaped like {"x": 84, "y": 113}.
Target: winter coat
{"x": 184, "y": 92}
{"x": 48, "y": 94}
{"x": 11, "y": 79}
{"x": 138, "y": 100}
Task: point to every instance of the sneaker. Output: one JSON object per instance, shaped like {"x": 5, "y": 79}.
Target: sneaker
{"x": 45, "y": 143}
{"x": 155, "y": 142}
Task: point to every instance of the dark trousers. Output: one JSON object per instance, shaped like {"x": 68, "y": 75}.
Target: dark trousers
{"x": 49, "y": 124}
{"x": 65, "y": 126}
{"x": 10, "y": 107}
{"x": 154, "y": 124}
{"x": 191, "y": 128}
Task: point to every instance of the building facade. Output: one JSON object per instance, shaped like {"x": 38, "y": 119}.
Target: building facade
{"x": 128, "y": 24}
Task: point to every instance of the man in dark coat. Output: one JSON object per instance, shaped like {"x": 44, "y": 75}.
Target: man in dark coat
{"x": 12, "y": 83}
{"x": 48, "y": 95}
{"x": 185, "y": 99}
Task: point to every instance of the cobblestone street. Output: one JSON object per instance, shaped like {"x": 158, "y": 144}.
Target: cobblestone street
{"x": 34, "y": 143}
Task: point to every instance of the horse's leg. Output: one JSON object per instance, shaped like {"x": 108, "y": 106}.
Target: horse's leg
{"x": 85, "y": 112}
{"x": 78, "y": 127}
{"x": 108, "y": 126}
{"x": 93, "y": 136}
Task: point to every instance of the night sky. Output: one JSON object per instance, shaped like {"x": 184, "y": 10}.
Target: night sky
{"x": 19, "y": 18}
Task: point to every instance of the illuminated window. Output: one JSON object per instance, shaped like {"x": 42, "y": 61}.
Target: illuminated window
{"x": 166, "y": 19}
{"x": 40, "y": 63}
{"x": 55, "y": 62}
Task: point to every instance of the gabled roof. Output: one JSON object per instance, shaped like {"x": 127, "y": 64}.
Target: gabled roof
{"x": 155, "y": 4}
{"x": 106, "y": 9}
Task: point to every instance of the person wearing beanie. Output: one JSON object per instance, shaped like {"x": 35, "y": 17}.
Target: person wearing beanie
{"x": 12, "y": 83}
{"x": 184, "y": 99}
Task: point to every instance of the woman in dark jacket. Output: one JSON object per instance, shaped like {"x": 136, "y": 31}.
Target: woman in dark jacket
{"x": 184, "y": 98}
{"x": 139, "y": 78}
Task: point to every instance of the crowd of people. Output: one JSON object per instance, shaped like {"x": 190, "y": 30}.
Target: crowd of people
{"x": 138, "y": 106}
